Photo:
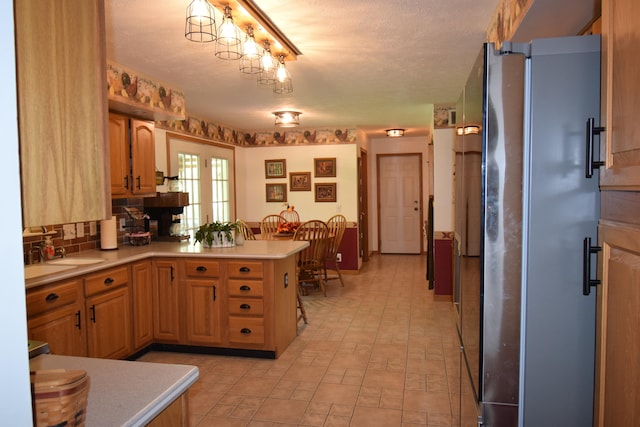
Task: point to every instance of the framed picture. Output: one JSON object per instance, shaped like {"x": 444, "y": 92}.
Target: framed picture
{"x": 275, "y": 168}
{"x": 326, "y": 192}
{"x": 300, "y": 181}
{"x": 325, "y": 167}
{"x": 276, "y": 192}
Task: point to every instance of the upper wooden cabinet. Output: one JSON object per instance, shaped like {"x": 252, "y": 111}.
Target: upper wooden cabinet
{"x": 620, "y": 147}
{"x": 62, "y": 108}
{"x": 132, "y": 157}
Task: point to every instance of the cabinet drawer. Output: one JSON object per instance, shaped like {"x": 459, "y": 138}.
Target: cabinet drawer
{"x": 50, "y": 297}
{"x": 202, "y": 268}
{"x": 239, "y": 269}
{"x": 248, "y": 306}
{"x": 107, "y": 279}
{"x": 247, "y": 330}
{"x": 245, "y": 288}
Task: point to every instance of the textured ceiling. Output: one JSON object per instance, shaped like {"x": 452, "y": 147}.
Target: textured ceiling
{"x": 365, "y": 64}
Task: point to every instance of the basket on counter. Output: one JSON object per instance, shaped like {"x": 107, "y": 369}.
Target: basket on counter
{"x": 139, "y": 239}
{"x": 59, "y": 397}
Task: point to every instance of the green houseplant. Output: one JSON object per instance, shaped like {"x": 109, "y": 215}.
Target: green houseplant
{"x": 216, "y": 234}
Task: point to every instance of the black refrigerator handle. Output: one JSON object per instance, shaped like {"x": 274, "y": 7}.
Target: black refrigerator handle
{"x": 592, "y": 131}
{"x": 587, "y": 251}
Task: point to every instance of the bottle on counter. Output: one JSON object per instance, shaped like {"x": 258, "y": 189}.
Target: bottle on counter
{"x": 48, "y": 251}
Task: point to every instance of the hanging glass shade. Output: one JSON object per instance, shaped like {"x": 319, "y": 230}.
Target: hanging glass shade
{"x": 229, "y": 41}
{"x": 200, "y": 24}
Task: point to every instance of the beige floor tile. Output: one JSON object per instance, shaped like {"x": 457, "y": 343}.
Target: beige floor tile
{"x": 376, "y": 417}
{"x": 337, "y": 393}
{"x": 282, "y": 411}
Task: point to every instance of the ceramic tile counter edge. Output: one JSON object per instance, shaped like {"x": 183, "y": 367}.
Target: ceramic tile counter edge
{"x": 252, "y": 249}
{"x": 124, "y": 393}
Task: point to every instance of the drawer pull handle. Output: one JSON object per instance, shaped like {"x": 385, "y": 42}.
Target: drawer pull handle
{"x": 201, "y": 268}
{"x": 245, "y": 288}
{"x": 245, "y": 270}
{"x": 245, "y": 331}
{"x": 245, "y": 306}
{"x": 51, "y": 297}
{"x": 108, "y": 281}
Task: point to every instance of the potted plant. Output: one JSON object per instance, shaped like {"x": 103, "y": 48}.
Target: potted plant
{"x": 216, "y": 234}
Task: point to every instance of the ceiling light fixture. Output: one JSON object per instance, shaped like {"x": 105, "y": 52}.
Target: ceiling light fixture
{"x": 251, "y": 54}
{"x": 282, "y": 82}
{"x": 287, "y": 119}
{"x": 266, "y": 76}
{"x": 394, "y": 133}
{"x": 229, "y": 39}
{"x": 200, "y": 25}
{"x": 468, "y": 130}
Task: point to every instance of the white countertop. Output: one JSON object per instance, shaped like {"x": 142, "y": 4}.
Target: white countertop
{"x": 124, "y": 393}
{"x": 252, "y": 249}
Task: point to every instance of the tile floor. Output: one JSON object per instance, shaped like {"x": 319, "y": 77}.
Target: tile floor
{"x": 378, "y": 352}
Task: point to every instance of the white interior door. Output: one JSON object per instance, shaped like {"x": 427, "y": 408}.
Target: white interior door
{"x": 400, "y": 203}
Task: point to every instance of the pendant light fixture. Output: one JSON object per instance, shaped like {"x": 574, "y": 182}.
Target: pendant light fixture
{"x": 229, "y": 41}
{"x": 251, "y": 54}
{"x": 200, "y": 25}
{"x": 266, "y": 77}
{"x": 282, "y": 82}
{"x": 287, "y": 119}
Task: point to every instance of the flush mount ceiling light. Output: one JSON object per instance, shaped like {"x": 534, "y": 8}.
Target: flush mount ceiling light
{"x": 287, "y": 119}
{"x": 394, "y": 133}
{"x": 468, "y": 130}
{"x": 200, "y": 25}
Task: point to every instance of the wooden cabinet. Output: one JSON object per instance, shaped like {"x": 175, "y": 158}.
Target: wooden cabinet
{"x": 108, "y": 310}
{"x": 245, "y": 304}
{"x": 142, "y": 304}
{"x": 166, "y": 294}
{"x": 55, "y": 315}
{"x": 203, "y": 296}
{"x": 62, "y": 110}
{"x": 132, "y": 157}
{"x": 620, "y": 142}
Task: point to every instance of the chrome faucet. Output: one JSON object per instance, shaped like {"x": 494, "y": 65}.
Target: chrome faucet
{"x": 30, "y": 254}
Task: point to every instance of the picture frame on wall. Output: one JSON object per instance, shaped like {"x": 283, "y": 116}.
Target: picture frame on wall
{"x": 325, "y": 167}
{"x": 300, "y": 181}
{"x": 325, "y": 192}
{"x": 276, "y": 192}
{"x": 275, "y": 168}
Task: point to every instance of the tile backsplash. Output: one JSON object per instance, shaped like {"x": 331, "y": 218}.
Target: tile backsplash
{"x": 88, "y": 241}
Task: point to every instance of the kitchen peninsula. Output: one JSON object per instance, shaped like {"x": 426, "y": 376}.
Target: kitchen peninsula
{"x": 116, "y": 304}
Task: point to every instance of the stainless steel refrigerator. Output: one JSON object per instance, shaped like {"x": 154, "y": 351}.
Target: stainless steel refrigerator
{"x": 526, "y": 329}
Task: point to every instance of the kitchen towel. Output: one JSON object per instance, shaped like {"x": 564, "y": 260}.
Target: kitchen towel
{"x": 108, "y": 234}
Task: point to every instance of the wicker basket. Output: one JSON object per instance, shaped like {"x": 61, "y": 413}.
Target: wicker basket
{"x": 59, "y": 397}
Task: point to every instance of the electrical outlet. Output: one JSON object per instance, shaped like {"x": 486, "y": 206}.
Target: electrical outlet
{"x": 80, "y": 230}
{"x": 123, "y": 223}
{"x": 93, "y": 228}
{"x": 339, "y": 257}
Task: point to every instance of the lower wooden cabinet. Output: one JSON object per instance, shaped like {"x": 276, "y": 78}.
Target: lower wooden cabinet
{"x": 166, "y": 301}
{"x": 203, "y": 295}
{"x": 55, "y": 315}
{"x": 108, "y": 309}
{"x": 142, "y": 304}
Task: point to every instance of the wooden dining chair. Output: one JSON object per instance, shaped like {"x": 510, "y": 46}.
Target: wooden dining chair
{"x": 244, "y": 229}
{"x": 269, "y": 224}
{"x": 290, "y": 215}
{"x": 310, "y": 265}
{"x": 336, "y": 225}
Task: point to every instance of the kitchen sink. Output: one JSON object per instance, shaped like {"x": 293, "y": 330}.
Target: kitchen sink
{"x": 75, "y": 261}
{"x": 37, "y": 270}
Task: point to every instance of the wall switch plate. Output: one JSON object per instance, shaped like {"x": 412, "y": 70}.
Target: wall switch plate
{"x": 339, "y": 257}
{"x": 123, "y": 223}
{"x": 69, "y": 231}
{"x": 93, "y": 228}
{"x": 80, "y": 230}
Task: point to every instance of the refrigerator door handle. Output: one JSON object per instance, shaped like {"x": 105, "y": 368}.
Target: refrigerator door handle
{"x": 588, "y": 250}
{"x": 592, "y": 131}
